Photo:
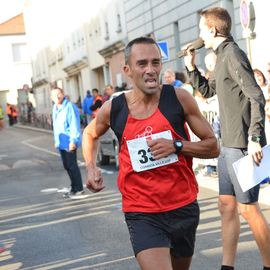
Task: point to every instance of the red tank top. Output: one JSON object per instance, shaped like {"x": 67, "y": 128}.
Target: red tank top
{"x": 160, "y": 189}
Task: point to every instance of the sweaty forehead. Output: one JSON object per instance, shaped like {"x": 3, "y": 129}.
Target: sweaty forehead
{"x": 145, "y": 50}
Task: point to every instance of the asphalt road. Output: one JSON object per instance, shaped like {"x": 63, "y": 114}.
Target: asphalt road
{"x": 41, "y": 230}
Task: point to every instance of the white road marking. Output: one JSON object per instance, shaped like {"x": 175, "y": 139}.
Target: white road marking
{"x": 65, "y": 263}
{"x": 49, "y": 190}
{"x": 104, "y": 263}
{"x": 27, "y": 143}
{"x": 80, "y": 163}
{"x": 53, "y": 222}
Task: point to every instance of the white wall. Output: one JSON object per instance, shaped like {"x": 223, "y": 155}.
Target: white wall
{"x": 13, "y": 74}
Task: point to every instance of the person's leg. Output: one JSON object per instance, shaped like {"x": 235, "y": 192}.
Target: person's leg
{"x": 74, "y": 171}
{"x": 181, "y": 263}
{"x": 164, "y": 240}
{"x": 155, "y": 259}
{"x": 64, "y": 159}
{"x": 184, "y": 222}
{"x": 10, "y": 120}
{"x": 69, "y": 160}
{"x": 230, "y": 228}
{"x": 149, "y": 239}
{"x": 259, "y": 227}
{"x": 250, "y": 210}
{"x": 230, "y": 223}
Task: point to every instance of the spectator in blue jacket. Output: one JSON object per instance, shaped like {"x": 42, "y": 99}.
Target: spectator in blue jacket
{"x": 169, "y": 78}
{"x": 67, "y": 138}
{"x": 87, "y": 103}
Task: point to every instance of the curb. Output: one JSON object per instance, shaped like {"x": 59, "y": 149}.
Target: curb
{"x": 33, "y": 128}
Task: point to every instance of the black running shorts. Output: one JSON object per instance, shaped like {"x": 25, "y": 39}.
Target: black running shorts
{"x": 174, "y": 229}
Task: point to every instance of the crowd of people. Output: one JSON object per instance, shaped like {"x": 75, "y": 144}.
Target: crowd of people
{"x": 92, "y": 103}
{"x": 22, "y": 113}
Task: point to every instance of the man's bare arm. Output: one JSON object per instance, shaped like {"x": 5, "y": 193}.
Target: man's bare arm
{"x": 91, "y": 134}
{"x": 208, "y": 147}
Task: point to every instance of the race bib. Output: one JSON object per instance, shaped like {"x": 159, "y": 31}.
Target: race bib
{"x": 141, "y": 157}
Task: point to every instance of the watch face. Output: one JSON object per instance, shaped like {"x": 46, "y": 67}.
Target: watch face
{"x": 255, "y": 138}
{"x": 178, "y": 144}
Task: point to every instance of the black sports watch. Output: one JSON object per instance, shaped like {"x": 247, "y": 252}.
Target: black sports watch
{"x": 178, "y": 145}
{"x": 254, "y": 138}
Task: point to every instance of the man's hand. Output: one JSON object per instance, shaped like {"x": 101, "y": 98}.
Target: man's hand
{"x": 255, "y": 150}
{"x": 94, "y": 179}
{"x": 72, "y": 147}
{"x": 189, "y": 59}
{"x": 161, "y": 147}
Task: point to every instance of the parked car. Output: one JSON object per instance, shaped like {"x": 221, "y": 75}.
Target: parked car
{"x": 108, "y": 145}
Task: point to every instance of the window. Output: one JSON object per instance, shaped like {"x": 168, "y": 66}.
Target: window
{"x": 106, "y": 31}
{"x": 119, "y": 27}
{"x": 20, "y": 52}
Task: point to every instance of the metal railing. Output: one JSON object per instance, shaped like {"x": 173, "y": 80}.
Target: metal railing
{"x": 43, "y": 121}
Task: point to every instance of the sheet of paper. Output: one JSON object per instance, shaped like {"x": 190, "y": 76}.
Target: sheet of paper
{"x": 248, "y": 173}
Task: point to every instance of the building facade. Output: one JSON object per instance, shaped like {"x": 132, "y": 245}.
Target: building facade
{"x": 15, "y": 65}
{"x": 92, "y": 55}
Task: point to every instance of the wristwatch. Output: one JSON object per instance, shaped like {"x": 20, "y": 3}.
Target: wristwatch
{"x": 178, "y": 145}
{"x": 254, "y": 138}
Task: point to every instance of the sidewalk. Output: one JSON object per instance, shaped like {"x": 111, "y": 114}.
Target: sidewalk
{"x": 203, "y": 181}
{"x": 33, "y": 128}
{"x": 212, "y": 183}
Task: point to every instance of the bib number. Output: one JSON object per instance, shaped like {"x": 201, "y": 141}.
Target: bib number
{"x": 140, "y": 154}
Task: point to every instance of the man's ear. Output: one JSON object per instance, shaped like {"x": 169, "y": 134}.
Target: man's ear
{"x": 126, "y": 69}
{"x": 214, "y": 31}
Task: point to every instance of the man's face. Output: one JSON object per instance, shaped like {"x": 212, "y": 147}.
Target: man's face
{"x": 109, "y": 91}
{"x": 206, "y": 33}
{"x": 95, "y": 94}
{"x": 144, "y": 67}
{"x": 169, "y": 78}
{"x": 57, "y": 96}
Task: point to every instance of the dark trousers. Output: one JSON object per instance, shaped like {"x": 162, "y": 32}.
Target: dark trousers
{"x": 10, "y": 120}
{"x": 69, "y": 160}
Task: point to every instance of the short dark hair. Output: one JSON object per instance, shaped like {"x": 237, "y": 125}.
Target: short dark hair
{"x": 95, "y": 90}
{"x": 139, "y": 40}
{"x": 179, "y": 75}
{"x": 219, "y": 18}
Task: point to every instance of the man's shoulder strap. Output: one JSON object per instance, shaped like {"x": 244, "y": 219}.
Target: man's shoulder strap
{"x": 119, "y": 115}
{"x": 172, "y": 109}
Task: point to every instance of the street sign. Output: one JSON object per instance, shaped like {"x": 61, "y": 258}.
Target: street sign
{"x": 164, "y": 49}
{"x": 245, "y": 13}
